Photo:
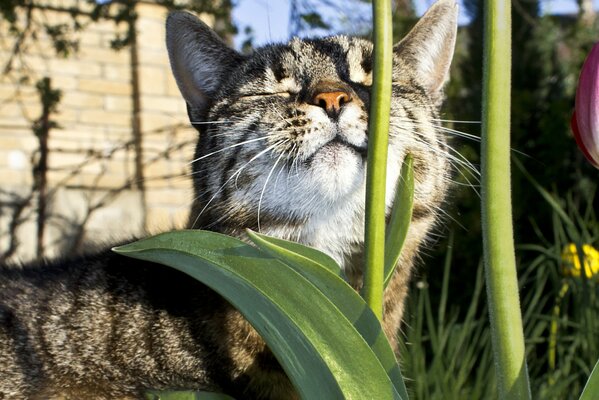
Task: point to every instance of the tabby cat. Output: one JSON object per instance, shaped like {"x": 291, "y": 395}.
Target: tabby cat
{"x": 282, "y": 150}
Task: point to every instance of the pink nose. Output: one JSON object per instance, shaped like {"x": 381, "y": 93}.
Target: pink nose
{"x": 331, "y": 101}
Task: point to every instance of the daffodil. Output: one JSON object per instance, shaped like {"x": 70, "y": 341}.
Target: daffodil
{"x": 585, "y": 121}
{"x": 571, "y": 261}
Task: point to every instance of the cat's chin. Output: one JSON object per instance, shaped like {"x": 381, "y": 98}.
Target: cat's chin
{"x": 338, "y": 169}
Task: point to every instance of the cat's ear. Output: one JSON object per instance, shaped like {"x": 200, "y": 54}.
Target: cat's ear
{"x": 199, "y": 58}
{"x": 428, "y": 48}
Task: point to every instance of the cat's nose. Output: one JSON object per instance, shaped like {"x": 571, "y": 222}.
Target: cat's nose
{"x": 331, "y": 101}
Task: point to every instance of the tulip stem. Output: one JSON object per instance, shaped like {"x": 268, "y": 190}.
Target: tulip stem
{"x": 498, "y": 243}
{"x": 374, "y": 240}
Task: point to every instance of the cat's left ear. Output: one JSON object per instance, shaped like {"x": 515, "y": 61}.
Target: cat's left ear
{"x": 200, "y": 60}
{"x": 427, "y": 49}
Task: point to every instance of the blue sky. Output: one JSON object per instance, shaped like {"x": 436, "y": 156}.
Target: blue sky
{"x": 269, "y": 18}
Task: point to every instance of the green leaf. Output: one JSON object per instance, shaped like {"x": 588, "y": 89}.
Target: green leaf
{"x": 292, "y": 252}
{"x": 314, "y": 20}
{"x": 184, "y": 395}
{"x": 401, "y": 216}
{"x": 317, "y": 346}
{"x": 341, "y": 294}
{"x": 592, "y": 387}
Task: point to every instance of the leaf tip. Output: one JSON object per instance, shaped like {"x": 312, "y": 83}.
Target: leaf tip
{"x": 123, "y": 249}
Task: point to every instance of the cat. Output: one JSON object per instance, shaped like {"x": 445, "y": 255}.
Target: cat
{"x": 282, "y": 150}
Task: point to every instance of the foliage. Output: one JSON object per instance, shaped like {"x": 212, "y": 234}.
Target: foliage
{"x": 399, "y": 221}
{"x": 321, "y": 331}
{"x": 325, "y": 17}
{"x": 563, "y": 327}
{"x": 447, "y": 352}
{"x": 185, "y": 395}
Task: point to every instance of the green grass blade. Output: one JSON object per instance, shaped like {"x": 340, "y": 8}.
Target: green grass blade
{"x": 546, "y": 195}
{"x": 591, "y": 389}
{"x": 401, "y": 215}
{"x": 343, "y": 296}
{"x": 445, "y": 281}
{"x": 184, "y": 395}
{"x": 317, "y": 346}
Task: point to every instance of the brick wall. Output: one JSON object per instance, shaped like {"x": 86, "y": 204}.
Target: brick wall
{"x": 95, "y": 160}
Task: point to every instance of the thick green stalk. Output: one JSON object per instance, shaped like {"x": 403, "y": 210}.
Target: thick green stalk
{"x": 374, "y": 241}
{"x": 498, "y": 242}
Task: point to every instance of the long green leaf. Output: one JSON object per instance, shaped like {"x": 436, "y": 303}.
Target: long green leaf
{"x": 288, "y": 251}
{"x": 317, "y": 346}
{"x": 343, "y": 296}
{"x": 184, "y": 395}
{"x": 591, "y": 389}
{"x": 401, "y": 216}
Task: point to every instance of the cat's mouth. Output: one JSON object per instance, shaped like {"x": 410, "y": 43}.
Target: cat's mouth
{"x": 338, "y": 140}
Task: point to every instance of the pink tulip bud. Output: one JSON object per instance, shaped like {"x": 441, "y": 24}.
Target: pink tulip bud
{"x": 585, "y": 121}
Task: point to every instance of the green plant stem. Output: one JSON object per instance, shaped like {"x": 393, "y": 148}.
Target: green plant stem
{"x": 374, "y": 241}
{"x": 500, "y": 265}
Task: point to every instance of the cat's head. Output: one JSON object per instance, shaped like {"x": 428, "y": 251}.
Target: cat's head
{"x": 284, "y": 130}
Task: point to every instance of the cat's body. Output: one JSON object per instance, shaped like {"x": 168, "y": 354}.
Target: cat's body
{"x": 283, "y": 136}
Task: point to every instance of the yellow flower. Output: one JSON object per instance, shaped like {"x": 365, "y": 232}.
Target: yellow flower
{"x": 571, "y": 261}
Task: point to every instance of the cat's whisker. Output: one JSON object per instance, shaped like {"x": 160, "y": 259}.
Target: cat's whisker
{"x": 462, "y": 161}
{"x": 295, "y": 160}
{"x": 269, "y": 148}
{"x": 264, "y": 188}
{"x": 458, "y": 159}
{"x": 452, "y": 161}
{"x": 453, "y": 132}
{"x": 211, "y": 122}
{"x": 278, "y": 112}
{"x": 227, "y": 148}
{"x": 455, "y": 121}
{"x": 457, "y": 133}
{"x": 235, "y": 174}
{"x": 279, "y": 174}
{"x": 440, "y": 210}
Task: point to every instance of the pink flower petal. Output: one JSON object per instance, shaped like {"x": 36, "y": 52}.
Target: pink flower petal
{"x": 587, "y": 107}
{"x": 581, "y": 146}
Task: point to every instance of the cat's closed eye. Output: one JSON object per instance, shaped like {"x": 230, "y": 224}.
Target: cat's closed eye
{"x": 253, "y": 96}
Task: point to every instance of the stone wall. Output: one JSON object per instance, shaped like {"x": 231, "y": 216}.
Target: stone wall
{"x": 117, "y": 162}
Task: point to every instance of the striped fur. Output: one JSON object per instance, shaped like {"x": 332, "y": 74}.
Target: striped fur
{"x": 268, "y": 158}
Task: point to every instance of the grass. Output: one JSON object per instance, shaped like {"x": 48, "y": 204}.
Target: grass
{"x": 448, "y": 352}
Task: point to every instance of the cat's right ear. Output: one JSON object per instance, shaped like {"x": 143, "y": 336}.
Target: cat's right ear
{"x": 199, "y": 58}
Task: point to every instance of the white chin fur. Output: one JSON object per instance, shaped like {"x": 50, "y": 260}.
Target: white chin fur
{"x": 336, "y": 171}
